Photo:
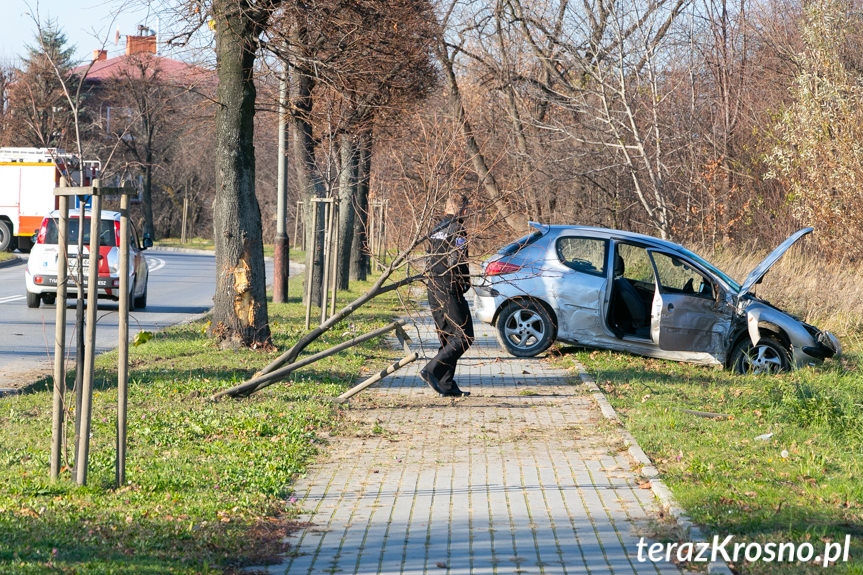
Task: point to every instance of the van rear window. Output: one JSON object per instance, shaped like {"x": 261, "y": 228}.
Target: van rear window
{"x": 107, "y": 237}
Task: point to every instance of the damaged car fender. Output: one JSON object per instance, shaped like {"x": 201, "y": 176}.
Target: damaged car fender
{"x": 761, "y": 318}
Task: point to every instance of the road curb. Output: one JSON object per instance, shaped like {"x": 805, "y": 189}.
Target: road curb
{"x": 13, "y": 262}
{"x": 194, "y": 252}
{"x": 190, "y": 251}
{"x": 657, "y": 485}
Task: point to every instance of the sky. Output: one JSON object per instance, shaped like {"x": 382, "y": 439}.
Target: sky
{"x": 86, "y": 23}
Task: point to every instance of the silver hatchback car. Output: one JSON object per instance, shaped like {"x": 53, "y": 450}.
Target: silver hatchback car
{"x": 630, "y": 292}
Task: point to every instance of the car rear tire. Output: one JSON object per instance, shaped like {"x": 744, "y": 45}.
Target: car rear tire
{"x": 5, "y": 236}
{"x": 770, "y": 356}
{"x": 33, "y": 299}
{"x": 140, "y": 301}
{"x": 525, "y": 328}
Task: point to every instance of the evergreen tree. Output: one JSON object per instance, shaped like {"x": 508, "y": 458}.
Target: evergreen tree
{"x": 37, "y": 101}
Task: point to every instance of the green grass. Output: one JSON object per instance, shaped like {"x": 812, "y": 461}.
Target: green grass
{"x": 801, "y": 484}
{"x": 191, "y": 243}
{"x": 209, "y": 484}
{"x": 4, "y": 256}
{"x": 207, "y": 244}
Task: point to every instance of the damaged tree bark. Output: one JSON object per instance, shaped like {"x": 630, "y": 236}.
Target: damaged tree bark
{"x": 240, "y": 311}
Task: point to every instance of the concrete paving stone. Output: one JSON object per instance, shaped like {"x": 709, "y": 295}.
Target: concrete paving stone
{"x": 514, "y": 479}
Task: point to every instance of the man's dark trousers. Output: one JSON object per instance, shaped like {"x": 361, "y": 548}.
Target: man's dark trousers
{"x": 454, "y": 328}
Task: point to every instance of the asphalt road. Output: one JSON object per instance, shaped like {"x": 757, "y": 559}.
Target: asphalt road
{"x": 181, "y": 285}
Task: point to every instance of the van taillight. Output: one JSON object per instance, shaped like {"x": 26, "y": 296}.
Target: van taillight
{"x": 43, "y": 230}
{"x": 117, "y": 233}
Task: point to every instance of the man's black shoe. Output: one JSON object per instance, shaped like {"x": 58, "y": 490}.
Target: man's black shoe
{"x": 455, "y": 393}
{"x": 431, "y": 380}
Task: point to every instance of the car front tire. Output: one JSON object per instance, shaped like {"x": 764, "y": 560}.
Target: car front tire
{"x": 769, "y": 356}
{"x": 140, "y": 302}
{"x": 525, "y": 328}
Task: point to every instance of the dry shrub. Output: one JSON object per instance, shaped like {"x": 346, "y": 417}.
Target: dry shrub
{"x": 825, "y": 293}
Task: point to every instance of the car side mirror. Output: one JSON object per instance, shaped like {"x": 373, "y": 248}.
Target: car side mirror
{"x": 148, "y": 241}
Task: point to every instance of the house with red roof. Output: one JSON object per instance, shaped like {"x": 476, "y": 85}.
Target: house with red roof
{"x": 141, "y": 108}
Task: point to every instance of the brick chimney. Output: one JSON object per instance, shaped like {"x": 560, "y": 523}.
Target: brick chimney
{"x": 100, "y": 54}
{"x": 138, "y": 44}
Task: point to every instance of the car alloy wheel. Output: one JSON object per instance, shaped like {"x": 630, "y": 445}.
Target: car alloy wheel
{"x": 524, "y": 328}
{"x": 769, "y": 356}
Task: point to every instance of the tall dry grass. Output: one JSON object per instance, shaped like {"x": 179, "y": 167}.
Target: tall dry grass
{"x": 827, "y": 294}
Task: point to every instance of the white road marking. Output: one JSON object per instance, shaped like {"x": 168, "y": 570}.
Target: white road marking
{"x": 11, "y": 298}
{"x": 154, "y": 264}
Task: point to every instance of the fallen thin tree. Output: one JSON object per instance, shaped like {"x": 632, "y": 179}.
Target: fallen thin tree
{"x": 376, "y": 290}
{"x": 261, "y": 381}
{"x": 410, "y": 358}
{"x": 287, "y": 363}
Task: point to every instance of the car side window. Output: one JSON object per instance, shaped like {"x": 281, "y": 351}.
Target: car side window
{"x": 632, "y": 263}
{"x": 677, "y": 276}
{"x": 586, "y": 255}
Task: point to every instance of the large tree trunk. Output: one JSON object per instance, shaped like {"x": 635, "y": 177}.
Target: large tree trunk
{"x": 360, "y": 262}
{"x": 308, "y": 179}
{"x": 240, "y": 312}
{"x": 347, "y": 210}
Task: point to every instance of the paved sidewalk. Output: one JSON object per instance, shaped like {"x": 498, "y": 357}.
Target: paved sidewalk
{"x": 524, "y": 476}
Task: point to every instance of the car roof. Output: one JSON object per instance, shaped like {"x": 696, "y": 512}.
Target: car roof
{"x": 616, "y": 234}
{"x": 73, "y": 213}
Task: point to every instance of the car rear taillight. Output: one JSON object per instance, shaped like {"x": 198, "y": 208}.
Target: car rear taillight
{"x": 117, "y": 233}
{"x": 43, "y": 229}
{"x": 498, "y": 268}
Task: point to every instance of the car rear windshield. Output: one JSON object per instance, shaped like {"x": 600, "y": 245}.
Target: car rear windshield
{"x": 107, "y": 237}
{"x": 521, "y": 243}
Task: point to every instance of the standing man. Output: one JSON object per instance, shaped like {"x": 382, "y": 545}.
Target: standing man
{"x": 448, "y": 279}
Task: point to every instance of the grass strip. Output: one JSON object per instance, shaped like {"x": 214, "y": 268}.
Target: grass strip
{"x": 209, "y": 484}
{"x": 296, "y": 255}
{"x": 785, "y": 468}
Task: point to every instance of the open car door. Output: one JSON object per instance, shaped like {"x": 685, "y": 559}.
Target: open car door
{"x": 686, "y": 314}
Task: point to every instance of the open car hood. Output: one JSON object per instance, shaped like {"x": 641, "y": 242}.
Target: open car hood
{"x": 762, "y": 268}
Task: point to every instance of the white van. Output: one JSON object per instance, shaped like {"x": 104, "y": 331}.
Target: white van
{"x": 41, "y": 272}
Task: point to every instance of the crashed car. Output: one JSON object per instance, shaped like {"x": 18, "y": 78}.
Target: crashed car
{"x": 630, "y": 292}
